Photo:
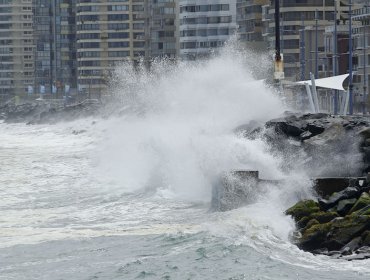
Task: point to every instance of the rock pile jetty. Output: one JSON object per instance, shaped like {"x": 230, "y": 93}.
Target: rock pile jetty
{"x": 337, "y": 223}
{"x": 321, "y": 144}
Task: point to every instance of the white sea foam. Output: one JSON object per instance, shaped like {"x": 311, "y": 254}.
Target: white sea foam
{"x": 175, "y": 132}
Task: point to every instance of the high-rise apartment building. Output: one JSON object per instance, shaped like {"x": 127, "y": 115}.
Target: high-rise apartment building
{"x": 107, "y": 33}
{"x": 249, "y": 20}
{"x": 205, "y": 25}
{"x": 162, "y": 28}
{"x": 16, "y": 48}
{"x": 55, "y": 55}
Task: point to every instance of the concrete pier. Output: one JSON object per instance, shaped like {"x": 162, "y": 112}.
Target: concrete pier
{"x": 238, "y": 188}
{"x": 327, "y": 186}
{"x": 234, "y": 189}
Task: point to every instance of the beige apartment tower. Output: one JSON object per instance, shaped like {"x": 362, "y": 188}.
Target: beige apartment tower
{"x": 16, "y": 48}
{"x": 108, "y": 32}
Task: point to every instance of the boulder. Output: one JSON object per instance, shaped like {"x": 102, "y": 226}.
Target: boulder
{"x": 361, "y": 203}
{"x": 315, "y": 129}
{"x": 351, "y": 246}
{"x": 311, "y": 223}
{"x": 321, "y": 217}
{"x": 360, "y": 254}
{"x": 302, "y": 209}
{"x": 313, "y": 237}
{"x": 366, "y": 238}
{"x": 324, "y": 217}
{"x": 348, "y": 193}
{"x": 345, "y": 205}
{"x": 343, "y": 230}
{"x": 365, "y": 133}
{"x": 284, "y": 127}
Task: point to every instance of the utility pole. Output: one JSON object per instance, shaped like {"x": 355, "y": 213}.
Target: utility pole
{"x": 277, "y": 31}
{"x": 335, "y": 58}
{"x": 365, "y": 85}
{"x": 350, "y": 84}
{"x": 303, "y": 62}
{"x": 316, "y": 46}
{"x": 278, "y": 59}
{"x": 303, "y": 58}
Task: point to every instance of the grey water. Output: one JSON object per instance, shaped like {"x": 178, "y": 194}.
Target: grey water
{"x": 128, "y": 197}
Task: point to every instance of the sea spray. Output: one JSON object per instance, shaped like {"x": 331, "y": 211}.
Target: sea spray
{"x": 175, "y": 130}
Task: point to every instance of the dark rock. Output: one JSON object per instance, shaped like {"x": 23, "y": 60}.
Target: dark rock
{"x": 366, "y": 153}
{"x": 361, "y": 253}
{"x": 334, "y": 254}
{"x": 324, "y": 217}
{"x": 311, "y": 223}
{"x": 351, "y": 246}
{"x": 303, "y": 222}
{"x": 281, "y": 126}
{"x": 314, "y": 237}
{"x": 364, "y": 211}
{"x": 363, "y": 249}
{"x": 321, "y": 217}
{"x": 321, "y": 251}
{"x": 315, "y": 129}
{"x": 366, "y": 238}
{"x": 360, "y": 256}
{"x": 302, "y": 209}
{"x": 345, "y": 205}
{"x": 361, "y": 203}
{"x": 366, "y": 143}
{"x": 348, "y": 193}
{"x": 341, "y": 231}
{"x": 365, "y": 133}
{"x": 325, "y": 187}
{"x": 315, "y": 116}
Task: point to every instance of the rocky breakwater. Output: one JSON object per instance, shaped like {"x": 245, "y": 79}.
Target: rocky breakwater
{"x": 48, "y": 112}
{"x": 326, "y": 147}
{"x": 321, "y": 144}
{"x": 338, "y": 225}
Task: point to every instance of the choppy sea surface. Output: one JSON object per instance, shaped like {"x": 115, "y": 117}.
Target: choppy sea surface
{"x": 128, "y": 197}
{"x": 61, "y": 219}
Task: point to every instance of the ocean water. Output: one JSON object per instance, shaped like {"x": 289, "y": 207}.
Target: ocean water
{"x": 128, "y": 197}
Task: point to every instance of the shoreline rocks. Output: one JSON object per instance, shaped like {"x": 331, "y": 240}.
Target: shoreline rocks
{"x": 322, "y": 144}
{"x": 336, "y": 151}
{"x": 337, "y": 226}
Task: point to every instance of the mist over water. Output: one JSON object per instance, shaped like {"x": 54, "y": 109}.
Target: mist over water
{"x": 175, "y": 132}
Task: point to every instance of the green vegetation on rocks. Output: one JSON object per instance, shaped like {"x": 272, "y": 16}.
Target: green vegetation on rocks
{"x": 361, "y": 203}
{"x": 302, "y": 209}
{"x": 343, "y": 231}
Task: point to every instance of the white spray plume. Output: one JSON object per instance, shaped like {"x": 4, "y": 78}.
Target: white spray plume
{"x": 175, "y": 132}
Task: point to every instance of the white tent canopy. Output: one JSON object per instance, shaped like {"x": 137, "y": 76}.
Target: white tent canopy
{"x": 335, "y": 82}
